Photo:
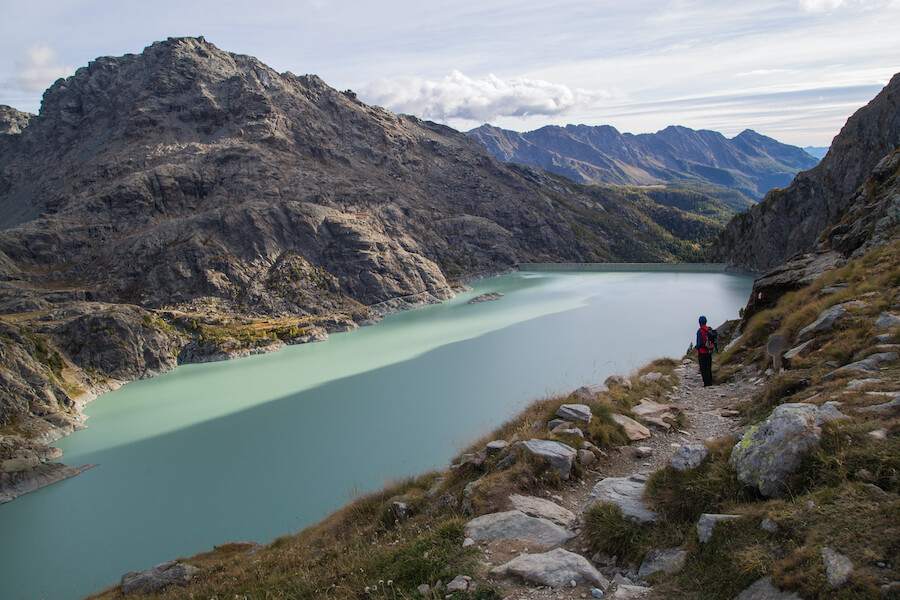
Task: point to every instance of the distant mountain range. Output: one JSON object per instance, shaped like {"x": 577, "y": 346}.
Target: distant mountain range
{"x": 817, "y": 151}
{"x": 749, "y": 163}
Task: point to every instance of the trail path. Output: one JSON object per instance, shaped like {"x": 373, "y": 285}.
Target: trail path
{"x": 709, "y": 416}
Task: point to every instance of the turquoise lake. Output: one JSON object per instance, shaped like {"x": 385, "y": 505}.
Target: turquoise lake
{"x": 256, "y": 448}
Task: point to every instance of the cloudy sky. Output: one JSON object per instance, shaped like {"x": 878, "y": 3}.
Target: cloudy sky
{"x": 791, "y": 69}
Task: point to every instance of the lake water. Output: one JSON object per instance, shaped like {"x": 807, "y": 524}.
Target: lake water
{"x": 251, "y": 449}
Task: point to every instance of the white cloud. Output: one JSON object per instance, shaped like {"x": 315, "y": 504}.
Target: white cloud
{"x": 457, "y": 96}
{"x": 39, "y": 68}
{"x": 828, "y": 6}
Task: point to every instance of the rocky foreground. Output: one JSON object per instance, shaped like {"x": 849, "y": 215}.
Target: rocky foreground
{"x": 782, "y": 481}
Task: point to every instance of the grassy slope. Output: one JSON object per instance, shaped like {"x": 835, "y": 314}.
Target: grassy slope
{"x": 366, "y": 551}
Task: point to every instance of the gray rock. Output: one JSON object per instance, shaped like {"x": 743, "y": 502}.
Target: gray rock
{"x": 837, "y": 566}
{"x": 689, "y": 456}
{"x": 544, "y": 509}
{"x": 158, "y": 577}
{"x": 625, "y": 492}
{"x": 630, "y": 592}
{"x": 884, "y": 409}
{"x": 575, "y": 431}
{"x": 796, "y": 350}
{"x": 617, "y": 380}
{"x": 886, "y": 321}
{"x": 707, "y": 524}
{"x": 586, "y": 457}
{"x": 671, "y": 561}
{"x": 575, "y": 412}
{"x": 643, "y": 452}
{"x": 489, "y": 297}
{"x": 769, "y": 525}
{"x": 553, "y": 424}
{"x": 460, "y": 583}
{"x": 830, "y": 412}
{"x": 555, "y": 569}
{"x": 871, "y": 363}
{"x": 496, "y": 447}
{"x": 771, "y": 451}
{"x": 858, "y": 384}
{"x": 650, "y": 377}
{"x": 879, "y": 434}
{"x": 559, "y": 455}
{"x": 826, "y": 320}
{"x": 514, "y": 524}
{"x": 468, "y": 542}
{"x": 762, "y": 589}
{"x": 424, "y": 590}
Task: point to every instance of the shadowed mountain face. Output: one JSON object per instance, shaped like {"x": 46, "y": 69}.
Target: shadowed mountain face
{"x": 854, "y": 182}
{"x": 750, "y": 163}
{"x": 187, "y": 171}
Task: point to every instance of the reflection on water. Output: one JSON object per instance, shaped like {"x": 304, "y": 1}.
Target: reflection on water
{"x": 263, "y": 446}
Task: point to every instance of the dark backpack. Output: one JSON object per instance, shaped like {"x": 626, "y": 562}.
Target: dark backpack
{"x": 711, "y": 338}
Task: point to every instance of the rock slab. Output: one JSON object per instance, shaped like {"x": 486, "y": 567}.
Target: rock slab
{"x": 559, "y": 455}
{"x": 557, "y": 569}
{"x": 158, "y": 577}
{"x": 625, "y": 492}
{"x": 707, "y": 524}
{"x": 543, "y": 509}
{"x": 688, "y": 457}
{"x": 837, "y": 566}
{"x": 634, "y": 430}
{"x": 575, "y": 412}
{"x": 514, "y": 524}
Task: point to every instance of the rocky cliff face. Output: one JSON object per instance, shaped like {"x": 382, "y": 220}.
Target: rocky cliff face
{"x": 790, "y": 221}
{"x": 750, "y": 163}
{"x": 191, "y": 202}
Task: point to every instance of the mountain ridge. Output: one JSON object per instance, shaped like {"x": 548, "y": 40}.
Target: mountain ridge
{"x": 750, "y": 163}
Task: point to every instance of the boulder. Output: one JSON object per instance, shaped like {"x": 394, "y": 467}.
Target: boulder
{"x": 707, "y": 524}
{"x": 158, "y": 577}
{"x": 575, "y": 412}
{"x": 689, "y": 456}
{"x": 617, "y": 380}
{"x": 826, "y": 320}
{"x": 671, "y": 561}
{"x": 871, "y": 363}
{"x": 837, "y": 566}
{"x": 886, "y": 321}
{"x": 496, "y": 447}
{"x": 543, "y": 509}
{"x": 830, "y": 411}
{"x": 634, "y": 430}
{"x": 625, "y": 492}
{"x": 514, "y": 524}
{"x": 559, "y": 455}
{"x": 768, "y": 453}
{"x": 762, "y": 589}
{"x": 556, "y": 569}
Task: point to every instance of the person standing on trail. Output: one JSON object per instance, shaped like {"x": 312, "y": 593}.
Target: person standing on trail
{"x": 706, "y": 341}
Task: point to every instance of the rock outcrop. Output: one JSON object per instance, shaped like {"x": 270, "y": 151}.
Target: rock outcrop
{"x": 791, "y": 220}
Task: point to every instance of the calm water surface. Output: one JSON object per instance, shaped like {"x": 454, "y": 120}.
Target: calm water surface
{"x": 259, "y": 447}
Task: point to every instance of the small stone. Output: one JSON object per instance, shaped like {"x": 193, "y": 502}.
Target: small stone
{"x": 689, "y": 457}
{"x": 643, "y": 452}
{"x": 769, "y": 525}
{"x": 559, "y": 423}
{"x": 496, "y": 447}
{"x": 459, "y": 584}
{"x": 618, "y": 380}
{"x": 837, "y": 566}
{"x": 634, "y": 430}
{"x": 596, "y": 592}
{"x": 586, "y": 457}
{"x": 650, "y": 377}
{"x": 424, "y": 589}
{"x": 401, "y": 510}
{"x": 671, "y": 561}
{"x": 468, "y": 542}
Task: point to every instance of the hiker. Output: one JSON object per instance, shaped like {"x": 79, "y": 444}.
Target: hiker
{"x": 706, "y": 343}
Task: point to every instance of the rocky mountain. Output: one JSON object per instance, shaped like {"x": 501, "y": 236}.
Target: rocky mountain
{"x": 851, "y": 184}
{"x": 187, "y": 204}
{"x": 750, "y": 163}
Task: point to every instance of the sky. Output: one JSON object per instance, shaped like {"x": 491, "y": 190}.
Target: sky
{"x": 794, "y": 70}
